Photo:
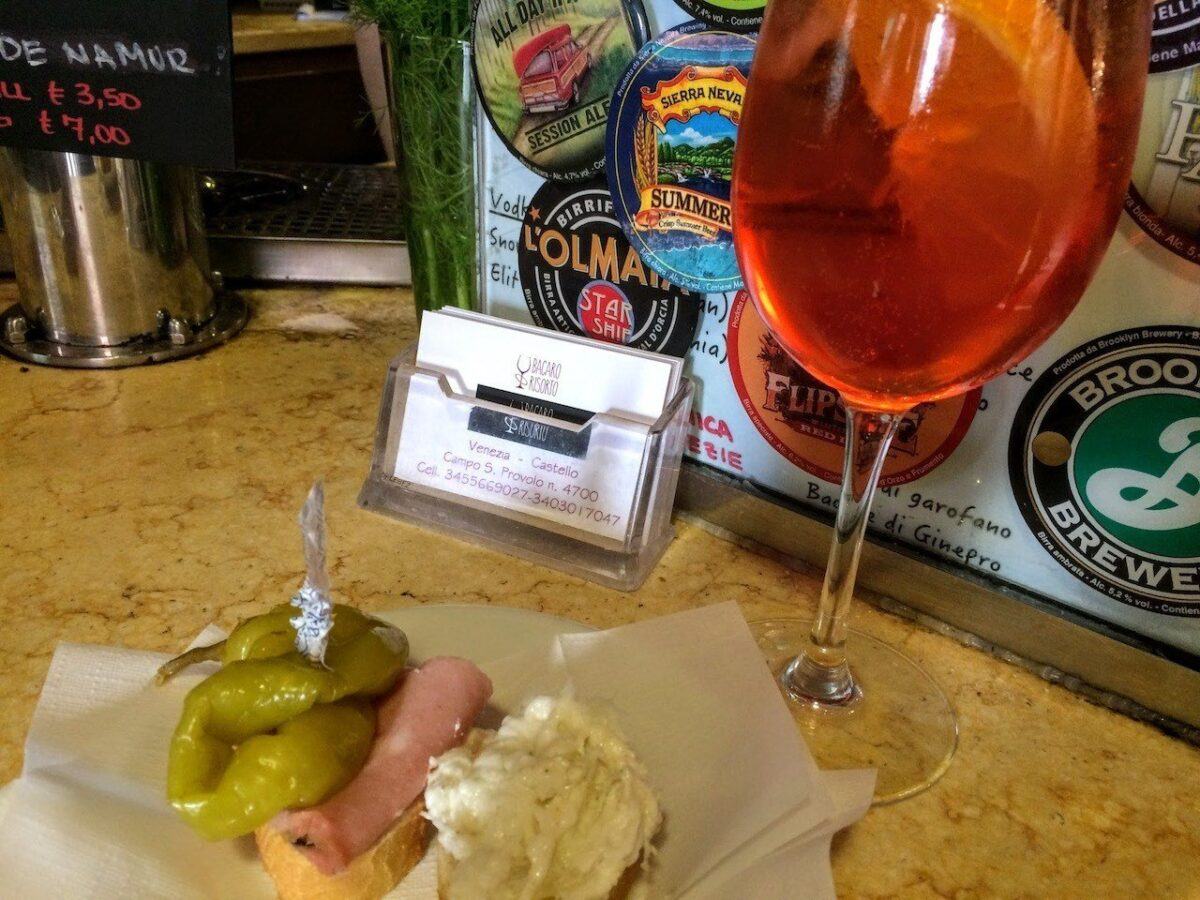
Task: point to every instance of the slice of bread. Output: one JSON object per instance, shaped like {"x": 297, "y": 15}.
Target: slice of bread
{"x": 368, "y": 877}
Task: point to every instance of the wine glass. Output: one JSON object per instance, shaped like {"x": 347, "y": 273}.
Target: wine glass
{"x": 922, "y": 190}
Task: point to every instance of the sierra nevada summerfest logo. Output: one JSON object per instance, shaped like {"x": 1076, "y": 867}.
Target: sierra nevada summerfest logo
{"x": 666, "y": 204}
{"x": 1105, "y": 464}
{"x": 671, "y": 140}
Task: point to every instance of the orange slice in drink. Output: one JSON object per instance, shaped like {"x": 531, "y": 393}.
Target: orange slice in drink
{"x": 994, "y": 153}
{"x": 902, "y": 49}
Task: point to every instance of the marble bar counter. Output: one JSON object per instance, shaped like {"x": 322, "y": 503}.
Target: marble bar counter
{"x": 138, "y": 505}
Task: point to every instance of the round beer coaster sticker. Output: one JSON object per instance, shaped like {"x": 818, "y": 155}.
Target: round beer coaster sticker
{"x": 671, "y": 134}
{"x": 580, "y": 275}
{"x": 1105, "y": 466}
{"x": 1164, "y": 196}
{"x": 803, "y": 419}
{"x": 545, "y": 72}
{"x": 735, "y": 15}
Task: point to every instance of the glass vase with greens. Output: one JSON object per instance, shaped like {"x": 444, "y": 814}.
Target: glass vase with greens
{"x": 433, "y": 111}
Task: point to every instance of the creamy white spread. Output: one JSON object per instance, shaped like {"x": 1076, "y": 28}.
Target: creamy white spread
{"x": 554, "y": 804}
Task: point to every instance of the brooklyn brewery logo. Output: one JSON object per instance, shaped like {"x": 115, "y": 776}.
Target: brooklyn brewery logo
{"x": 1105, "y": 465}
{"x": 580, "y": 275}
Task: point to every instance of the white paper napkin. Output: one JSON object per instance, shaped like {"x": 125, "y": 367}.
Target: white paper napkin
{"x": 744, "y": 803}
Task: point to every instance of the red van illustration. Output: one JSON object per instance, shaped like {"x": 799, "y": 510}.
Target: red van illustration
{"x": 550, "y": 67}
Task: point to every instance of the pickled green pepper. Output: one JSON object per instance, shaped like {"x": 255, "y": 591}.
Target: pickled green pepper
{"x": 271, "y": 731}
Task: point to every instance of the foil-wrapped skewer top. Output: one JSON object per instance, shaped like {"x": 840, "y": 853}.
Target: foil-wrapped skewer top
{"x": 313, "y": 600}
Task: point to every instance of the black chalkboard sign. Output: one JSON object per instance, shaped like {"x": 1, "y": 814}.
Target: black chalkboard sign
{"x": 144, "y": 79}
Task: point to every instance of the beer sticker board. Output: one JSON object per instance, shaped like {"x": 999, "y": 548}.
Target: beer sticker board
{"x": 142, "y": 79}
{"x": 1022, "y": 483}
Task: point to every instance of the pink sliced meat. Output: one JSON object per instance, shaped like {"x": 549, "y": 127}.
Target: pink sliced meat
{"x": 429, "y": 713}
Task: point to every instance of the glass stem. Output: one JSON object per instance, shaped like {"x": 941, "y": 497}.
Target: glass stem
{"x": 820, "y": 673}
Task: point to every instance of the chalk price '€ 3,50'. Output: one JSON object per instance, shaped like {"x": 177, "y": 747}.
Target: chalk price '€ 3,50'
{"x": 72, "y": 108}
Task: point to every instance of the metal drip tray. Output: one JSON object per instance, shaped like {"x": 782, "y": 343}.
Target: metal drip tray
{"x": 305, "y": 222}
{"x": 302, "y": 222}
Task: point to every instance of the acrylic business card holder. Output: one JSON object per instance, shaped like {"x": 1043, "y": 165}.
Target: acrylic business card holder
{"x": 623, "y": 563}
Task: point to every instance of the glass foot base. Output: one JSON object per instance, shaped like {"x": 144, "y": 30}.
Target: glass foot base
{"x": 896, "y": 720}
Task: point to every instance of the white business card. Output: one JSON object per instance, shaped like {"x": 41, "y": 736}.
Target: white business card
{"x": 543, "y": 365}
{"x": 585, "y": 484}
{"x": 676, "y": 364}
{"x": 521, "y": 436}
